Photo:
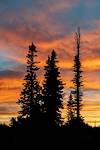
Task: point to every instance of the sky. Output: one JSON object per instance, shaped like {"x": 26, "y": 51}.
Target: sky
{"x": 49, "y": 24}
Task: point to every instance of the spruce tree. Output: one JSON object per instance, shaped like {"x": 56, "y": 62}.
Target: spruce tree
{"x": 70, "y": 108}
{"x": 52, "y": 91}
{"x": 30, "y": 97}
{"x": 77, "y": 80}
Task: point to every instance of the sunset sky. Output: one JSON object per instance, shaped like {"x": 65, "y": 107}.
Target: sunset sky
{"x": 49, "y": 24}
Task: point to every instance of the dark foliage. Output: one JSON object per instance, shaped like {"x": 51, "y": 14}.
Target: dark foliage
{"x": 77, "y": 80}
{"x": 77, "y": 123}
{"x": 73, "y": 138}
{"x": 30, "y": 97}
{"x": 70, "y": 108}
{"x": 52, "y": 91}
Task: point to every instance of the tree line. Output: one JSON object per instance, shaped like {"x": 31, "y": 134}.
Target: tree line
{"x": 40, "y": 106}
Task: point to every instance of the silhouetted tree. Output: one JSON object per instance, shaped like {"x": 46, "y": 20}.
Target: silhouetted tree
{"x": 30, "y": 97}
{"x": 70, "y": 108}
{"x": 52, "y": 91}
{"x": 77, "y": 80}
{"x": 13, "y": 122}
{"x": 19, "y": 122}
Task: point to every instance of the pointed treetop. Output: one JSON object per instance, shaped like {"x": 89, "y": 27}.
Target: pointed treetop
{"x": 32, "y": 47}
{"x": 53, "y": 54}
{"x": 78, "y": 32}
{"x": 77, "y": 39}
{"x": 53, "y": 51}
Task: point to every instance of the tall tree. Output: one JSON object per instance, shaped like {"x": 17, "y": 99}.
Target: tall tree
{"x": 53, "y": 91}
{"x": 77, "y": 80}
{"x": 30, "y": 97}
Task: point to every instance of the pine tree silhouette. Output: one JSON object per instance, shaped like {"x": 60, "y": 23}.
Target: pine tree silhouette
{"x": 52, "y": 91}
{"x": 70, "y": 108}
{"x": 77, "y": 80}
{"x": 30, "y": 97}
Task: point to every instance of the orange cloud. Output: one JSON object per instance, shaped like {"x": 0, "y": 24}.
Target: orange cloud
{"x": 91, "y": 112}
{"x": 10, "y": 89}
